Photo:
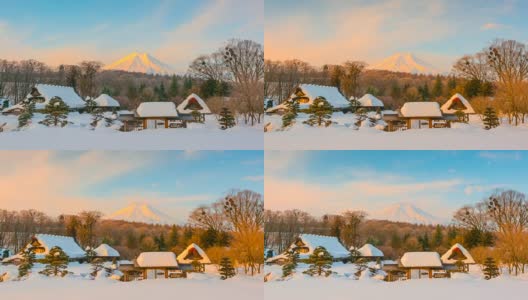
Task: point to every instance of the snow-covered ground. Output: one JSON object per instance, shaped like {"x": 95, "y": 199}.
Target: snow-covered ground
{"x": 343, "y": 285}
{"x": 79, "y": 286}
{"x": 80, "y": 136}
{"x": 342, "y": 136}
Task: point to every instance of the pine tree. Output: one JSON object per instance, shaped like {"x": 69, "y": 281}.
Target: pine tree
{"x": 90, "y": 105}
{"x": 56, "y": 262}
{"x": 174, "y": 236}
{"x": 320, "y": 263}
{"x": 291, "y": 264}
{"x": 289, "y": 117}
{"x": 438, "y": 87}
{"x": 28, "y": 260}
{"x": 226, "y": 268}
{"x": 56, "y": 113}
{"x": 226, "y": 119}
{"x": 90, "y": 254}
{"x": 174, "y": 87}
{"x": 354, "y": 105}
{"x": 490, "y": 269}
{"x": 162, "y": 95}
{"x": 490, "y": 118}
{"x": 97, "y": 266}
{"x": 320, "y": 113}
{"x": 197, "y": 116}
{"x": 28, "y": 106}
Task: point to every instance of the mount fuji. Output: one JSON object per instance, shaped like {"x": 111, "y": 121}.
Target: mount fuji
{"x": 140, "y": 63}
{"x": 408, "y": 213}
{"x": 141, "y": 213}
{"x": 407, "y": 63}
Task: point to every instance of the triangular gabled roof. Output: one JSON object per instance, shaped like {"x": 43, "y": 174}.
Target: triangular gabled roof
{"x": 368, "y": 250}
{"x": 457, "y": 250}
{"x": 66, "y": 93}
{"x": 184, "y": 258}
{"x": 457, "y": 99}
{"x": 106, "y": 251}
{"x": 184, "y": 109}
{"x": 369, "y": 100}
{"x": 66, "y": 243}
{"x": 105, "y": 100}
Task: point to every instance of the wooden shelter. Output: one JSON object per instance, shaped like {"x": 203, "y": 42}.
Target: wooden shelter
{"x": 420, "y": 111}
{"x": 158, "y": 264}
{"x": 305, "y": 94}
{"x": 368, "y": 252}
{"x": 420, "y": 261}
{"x": 305, "y": 244}
{"x": 106, "y": 253}
{"x": 155, "y": 115}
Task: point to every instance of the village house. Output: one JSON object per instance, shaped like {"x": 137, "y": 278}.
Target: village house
{"x": 107, "y": 253}
{"x": 305, "y": 94}
{"x": 193, "y": 258}
{"x": 458, "y": 105}
{"x": 370, "y": 103}
{"x": 158, "y": 265}
{"x": 193, "y": 107}
{"x": 155, "y": 115}
{"x": 368, "y": 252}
{"x": 457, "y": 258}
{"x": 305, "y": 244}
{"x": 107, "y": 103}
{"x": 43, "y": 243}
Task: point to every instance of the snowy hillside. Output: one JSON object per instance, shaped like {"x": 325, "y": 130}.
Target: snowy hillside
{"x": 406, "y": 212}
{"x": 141, "y": 213}
{"x": 405, "y": 62}
{"x": 140, "y": 63}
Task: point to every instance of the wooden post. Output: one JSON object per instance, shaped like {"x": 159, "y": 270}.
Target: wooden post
{"x": 419, "y": 273}
{"x": 409, "y": 274}
{"x": 166, "y": 123}
{"x": 144, "y": 123}
{"x": 430, "y": 273}
{"x": 144, "y": 273}
{"x": 408, "y": 123}
{"x": 166, "y": 273}
{"x": 430, "y": 123}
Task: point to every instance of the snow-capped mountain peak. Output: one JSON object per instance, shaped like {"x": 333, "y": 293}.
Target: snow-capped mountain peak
{"x": 406, "y": 212}
{"x": 141, "y": 213}
{"x": 141, "y": 63}
{"x": 405, "y": 62}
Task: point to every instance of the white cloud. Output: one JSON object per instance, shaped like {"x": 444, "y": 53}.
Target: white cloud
{"x": 492, "y": 26}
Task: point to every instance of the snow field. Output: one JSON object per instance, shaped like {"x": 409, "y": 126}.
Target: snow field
{"x": 342, "y": 136}
{"x": 80, "y": 136}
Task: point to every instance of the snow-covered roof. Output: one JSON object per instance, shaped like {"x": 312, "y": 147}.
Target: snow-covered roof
{"x": 368, "y": 250}
{"x": 369, "y": 100}
{"x": 106, "y": 251}
{"x": 421, "y": 259}
{"x": 448, "y": 257}
{"x": 193, "y": 99}
{"x": 184, "y": 259}
{"x": 421, "y": 109}
{"x": 330, "y": 243}
{"x": 156, "y": 259}
{"x": 66, "y": 243}
{"x": 156, "y": 109}
{"x": 457, "y": 99}
{"x": 106, "y": 101}
{"x": 66, "y": 93}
